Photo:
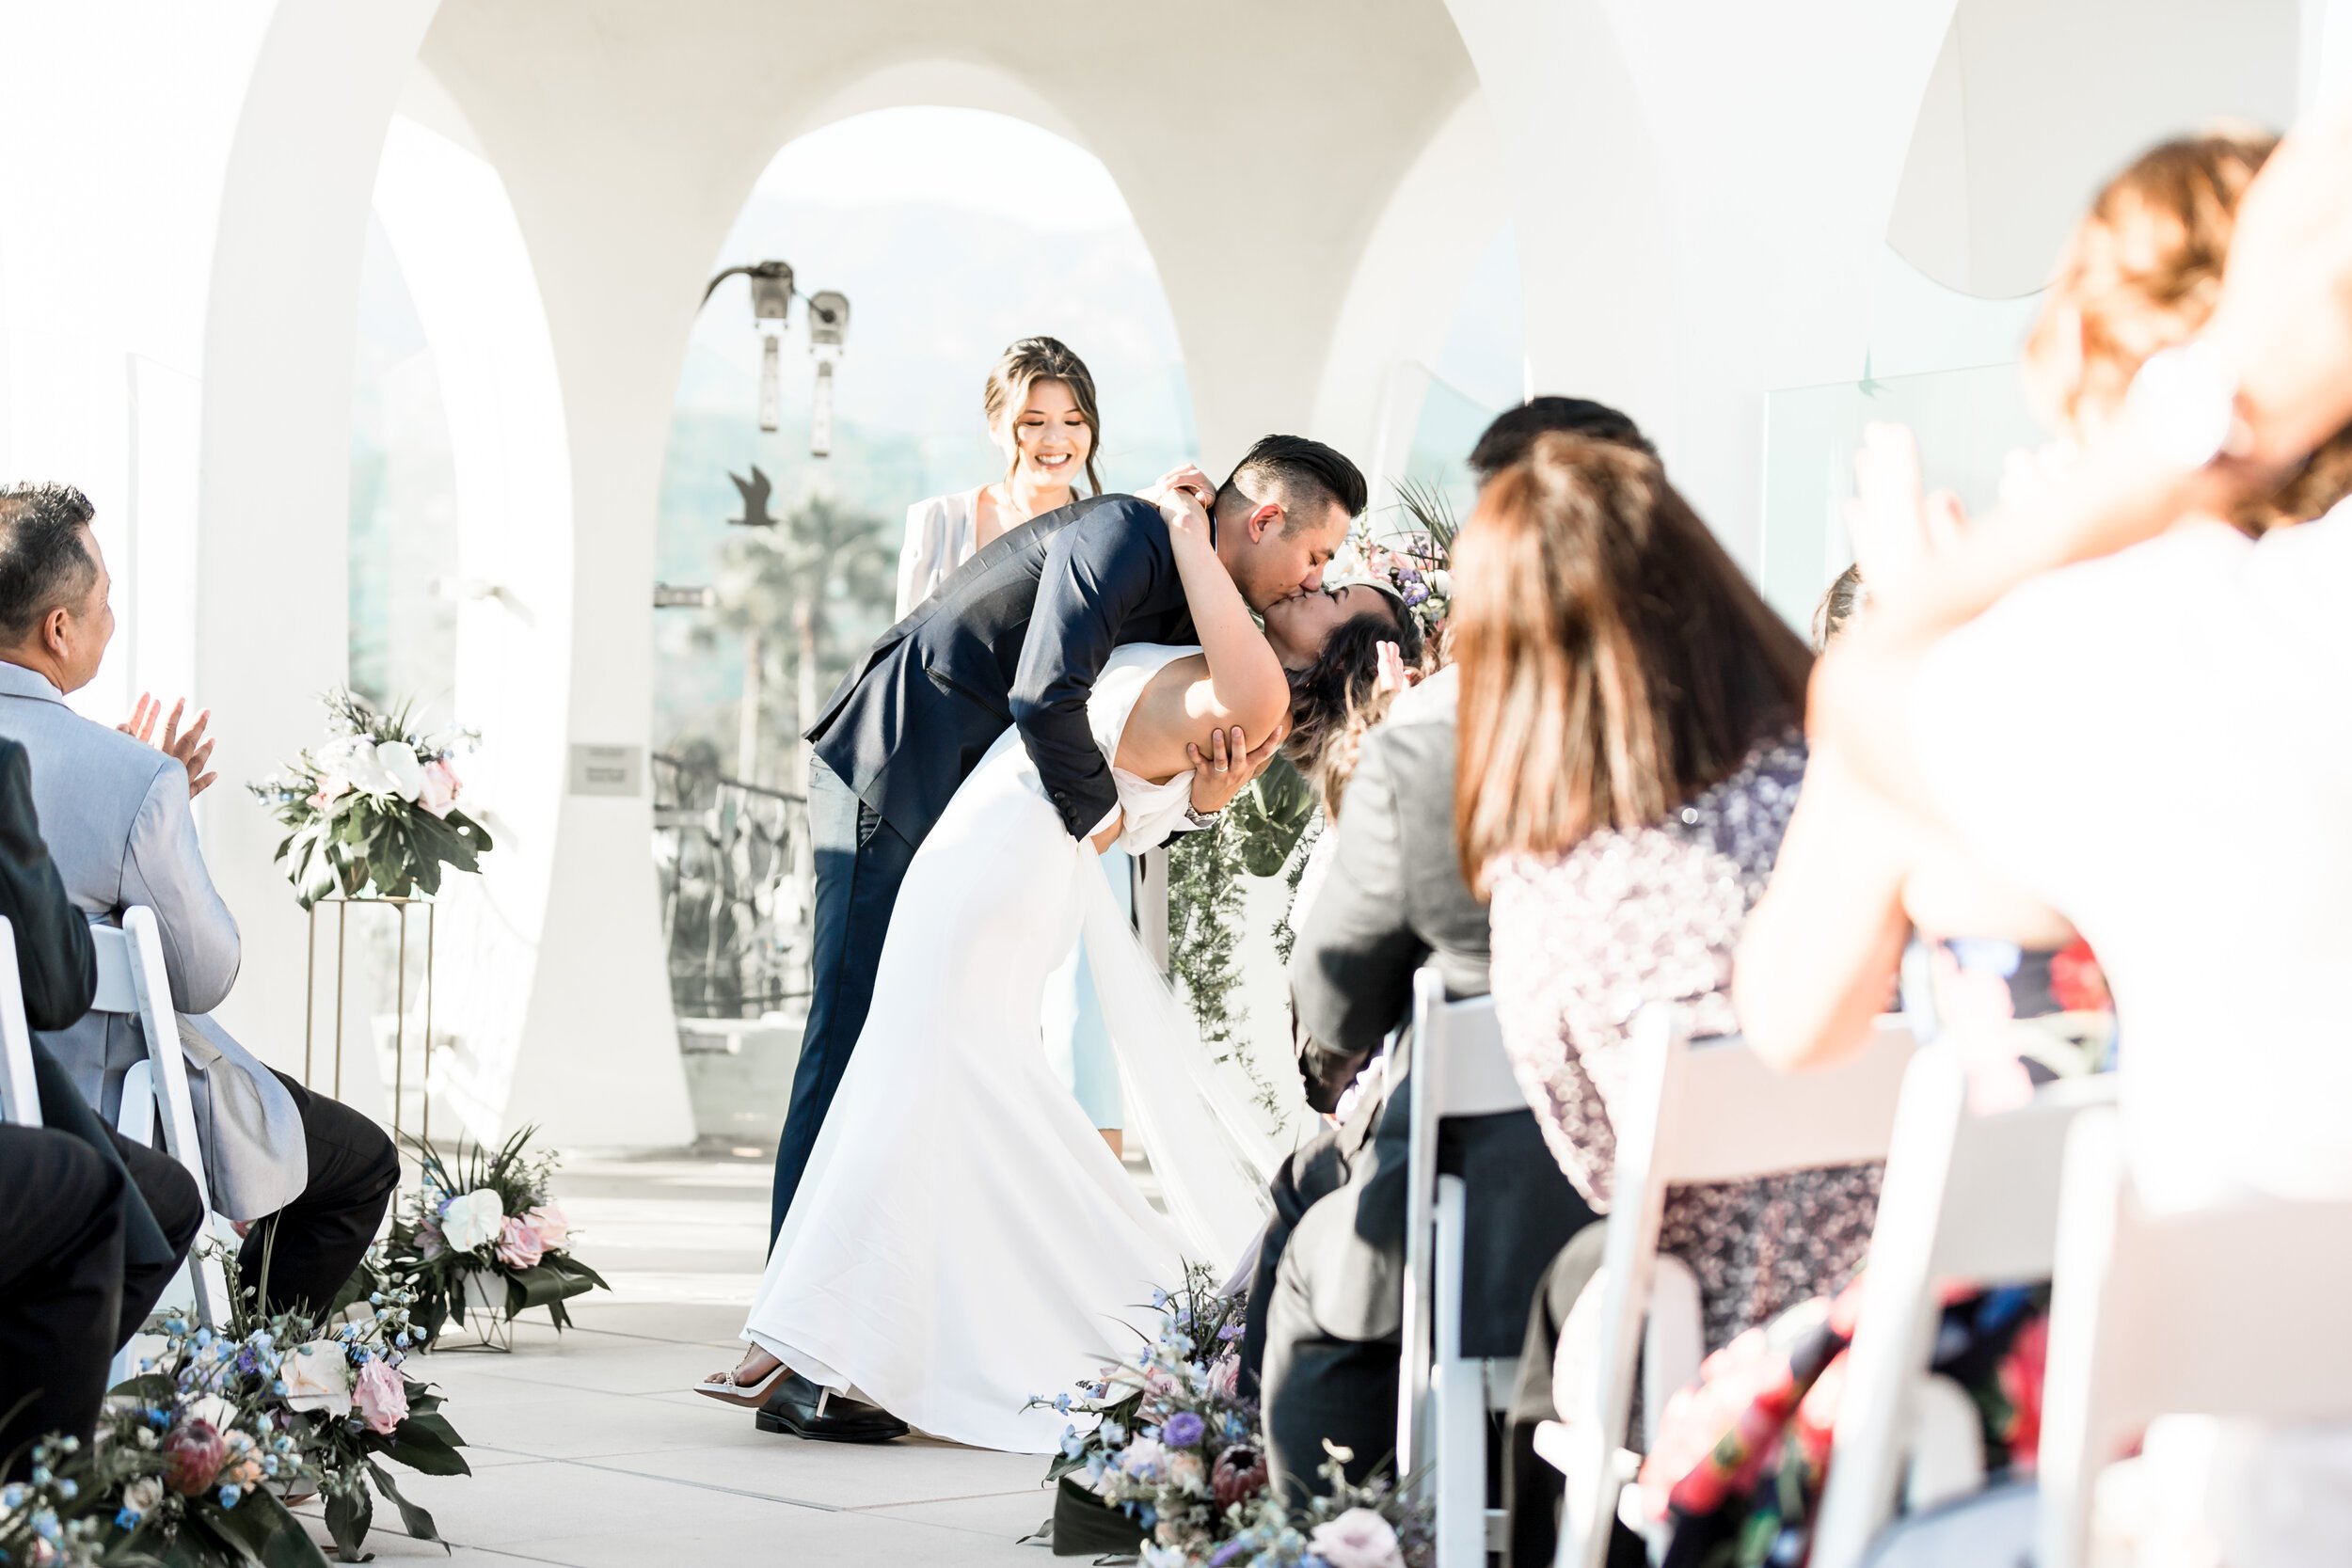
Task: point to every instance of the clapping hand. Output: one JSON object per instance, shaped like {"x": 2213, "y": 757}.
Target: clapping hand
{"x": 192, "y": 749}
{"x": 1225, "y": 769}
{"x": 1896, "y": 529}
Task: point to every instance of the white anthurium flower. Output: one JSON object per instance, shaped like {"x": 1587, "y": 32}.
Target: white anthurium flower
{"x": 473, "y": 1220}
{"x": 399, "y": 761}
{"x": 359, "y": 759}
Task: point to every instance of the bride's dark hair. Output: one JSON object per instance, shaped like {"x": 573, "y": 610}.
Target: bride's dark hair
{"x": 1335, "y": 700}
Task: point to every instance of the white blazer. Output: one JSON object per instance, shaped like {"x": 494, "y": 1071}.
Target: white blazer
{"x": 939, "y": 540}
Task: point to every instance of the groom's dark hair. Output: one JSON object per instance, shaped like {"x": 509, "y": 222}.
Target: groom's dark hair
{"x": 1298, "y": 472}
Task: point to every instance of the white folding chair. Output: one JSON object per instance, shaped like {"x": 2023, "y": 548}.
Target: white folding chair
{"x": 16, "y": 1036}
{"x": 2233, "y": 1309}
{"x": 132, "y": 981}
{"x": 1709, "y": 1112}
{"x": 1444, "y": 1397}
{"x": 1965, "y": 1197}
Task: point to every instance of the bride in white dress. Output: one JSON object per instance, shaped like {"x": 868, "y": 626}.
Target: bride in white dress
{"x": 963, "y": 1239}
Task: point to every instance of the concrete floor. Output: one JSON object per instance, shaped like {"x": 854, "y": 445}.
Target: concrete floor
{"x": 588, "y": 1450}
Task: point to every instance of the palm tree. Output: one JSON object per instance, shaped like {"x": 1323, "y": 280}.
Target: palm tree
{"x": 787, "y": 591}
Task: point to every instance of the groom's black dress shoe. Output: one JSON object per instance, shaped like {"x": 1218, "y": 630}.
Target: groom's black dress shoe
{"x": 803, "y": 1409}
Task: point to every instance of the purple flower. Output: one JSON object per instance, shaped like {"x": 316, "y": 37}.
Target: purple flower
{"x": 1183, "y": 1430}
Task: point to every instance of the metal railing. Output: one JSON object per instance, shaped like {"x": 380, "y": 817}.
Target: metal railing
{"x": 735, "y": 876}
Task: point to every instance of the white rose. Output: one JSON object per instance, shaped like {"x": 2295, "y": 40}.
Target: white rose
{"x": 473, "y": 1220}
{"x": 399, "y": 761}
{"x": 357, "y": 758}
{"x": 1441, "y": 584}
{"x": 318, "y": 1377}
{"x": 144, "y": 1496}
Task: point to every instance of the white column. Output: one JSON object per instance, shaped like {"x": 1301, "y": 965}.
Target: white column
{"x": 271, "y": 624}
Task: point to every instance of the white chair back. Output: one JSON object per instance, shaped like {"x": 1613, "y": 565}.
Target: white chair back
{"x": 16, "y": 1037}
{"x": 132, "y": 981}
{"x": 1967, "y": 1196}
{"x": 1458, "y": 1068}
{"x": 1709, "y": 1112}
{"x": 2235, "y": 1309}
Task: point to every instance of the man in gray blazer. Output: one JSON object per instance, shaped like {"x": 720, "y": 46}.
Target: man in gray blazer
{"x": 309, "y": 1177}
{"x": 1328, "y": 1294}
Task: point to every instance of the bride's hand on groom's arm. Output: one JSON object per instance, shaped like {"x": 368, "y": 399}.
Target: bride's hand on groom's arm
{"x": 1184, "y": 496}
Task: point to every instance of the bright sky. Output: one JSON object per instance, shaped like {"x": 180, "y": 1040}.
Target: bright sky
{"x": 953, "y": 157}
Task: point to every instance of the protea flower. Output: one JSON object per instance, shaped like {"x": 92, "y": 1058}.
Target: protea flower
{"x": 1240, "y": 1475}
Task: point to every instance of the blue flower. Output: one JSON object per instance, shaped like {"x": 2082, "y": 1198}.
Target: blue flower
{"x": 229, "y": 1495}
{"x": 1185, "y": 1429}
{"x": 1061, "y": 1402}
{"x": 69, "y": 1489}
{"x": 1113, "y": 1434}
{"x": 1148, "y": 1516}
{"x": 127, "y": 1518}
{"x": 1072, "y": 1444}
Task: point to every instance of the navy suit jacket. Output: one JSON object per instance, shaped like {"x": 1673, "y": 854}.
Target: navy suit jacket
{"x": 1016, "y": 636}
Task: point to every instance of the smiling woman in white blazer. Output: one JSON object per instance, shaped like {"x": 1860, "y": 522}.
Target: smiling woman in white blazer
{"x": 1040, "y": 403}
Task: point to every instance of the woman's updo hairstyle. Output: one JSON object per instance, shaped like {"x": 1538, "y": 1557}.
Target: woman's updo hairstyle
{"x": 1336, "y": 700}
{"x": 1024, "y": 365}
{"x": 2142, "y": 273}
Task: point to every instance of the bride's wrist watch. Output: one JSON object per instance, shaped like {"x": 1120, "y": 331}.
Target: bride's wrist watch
{"x": 1202, "y": 819}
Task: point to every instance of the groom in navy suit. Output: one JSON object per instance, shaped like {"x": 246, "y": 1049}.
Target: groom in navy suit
{"x": 1015, "y": 638}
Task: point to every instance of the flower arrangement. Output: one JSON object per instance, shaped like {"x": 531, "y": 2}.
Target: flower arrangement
{"x": 374, "y": 811}
{"x": 487, "y": 1222}
{"x": 1176, "y": 1447}
{"x": 194, "y": 1456}
{"x": 1416, "y": 564}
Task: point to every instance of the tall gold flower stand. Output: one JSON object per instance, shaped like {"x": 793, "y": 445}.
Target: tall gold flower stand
{"x": 340, "y": 920}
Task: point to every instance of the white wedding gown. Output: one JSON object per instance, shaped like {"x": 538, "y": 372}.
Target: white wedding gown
{"x": 963, "y": 1239}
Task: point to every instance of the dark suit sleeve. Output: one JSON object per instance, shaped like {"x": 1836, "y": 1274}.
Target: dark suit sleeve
{"x": 1352, "y": 971}
{"x": 1100, "y": 572}
{"x": 54, "y": 959}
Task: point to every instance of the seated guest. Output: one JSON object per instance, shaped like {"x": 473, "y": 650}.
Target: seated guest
{"x": 313, "y": 1175}
{"x": 1629, "y": 753}
{"x": 1857, "y": 873}
{"x": 2126, "y": 616}
{"x": 80, "y": 1269}
{"x": 1328, "y": 1292}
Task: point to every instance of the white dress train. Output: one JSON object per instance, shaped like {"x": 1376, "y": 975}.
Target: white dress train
{"x": 963, "y": 1239}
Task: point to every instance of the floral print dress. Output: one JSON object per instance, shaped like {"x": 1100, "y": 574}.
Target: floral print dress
{"x": 1582, "y": 940}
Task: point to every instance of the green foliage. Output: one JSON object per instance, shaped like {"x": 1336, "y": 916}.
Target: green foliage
{"x": 1204, "y": 899}
{"x": 355, "y": 813}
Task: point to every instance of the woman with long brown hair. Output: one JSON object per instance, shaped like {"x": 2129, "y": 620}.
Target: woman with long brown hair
{"x": 1630, "y": 750}
{"x": 1040, "y": 405}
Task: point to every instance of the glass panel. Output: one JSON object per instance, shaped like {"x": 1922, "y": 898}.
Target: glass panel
{"x": 1968, "y": 421}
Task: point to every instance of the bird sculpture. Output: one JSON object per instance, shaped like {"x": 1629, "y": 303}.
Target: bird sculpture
{"x": 755, "y": 492}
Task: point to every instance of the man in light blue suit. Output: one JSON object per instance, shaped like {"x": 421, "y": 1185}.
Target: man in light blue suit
{"x": 311, "y": 1176}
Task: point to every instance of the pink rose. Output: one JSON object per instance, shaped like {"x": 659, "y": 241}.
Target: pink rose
{"x": 547, "y": 1223}
{"x": 1357, "y": 1539}
{"x": 441, "y": 789}
{"x": 519, "y": 1246}
{"x": 381, "y": 1396}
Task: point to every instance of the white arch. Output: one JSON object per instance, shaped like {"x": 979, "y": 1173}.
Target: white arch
{"x": 461, "y": 250}
{"x": 1399, "y": 303}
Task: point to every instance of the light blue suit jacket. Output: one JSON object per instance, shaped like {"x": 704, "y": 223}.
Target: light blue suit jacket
{"x": 115, "y": 813}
